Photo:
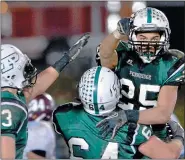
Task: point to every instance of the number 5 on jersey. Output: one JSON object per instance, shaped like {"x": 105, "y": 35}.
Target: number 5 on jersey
{"x": 144, "y": 89}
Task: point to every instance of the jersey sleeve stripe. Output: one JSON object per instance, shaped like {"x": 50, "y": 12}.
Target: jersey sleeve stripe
{"x": 180, "y": 68}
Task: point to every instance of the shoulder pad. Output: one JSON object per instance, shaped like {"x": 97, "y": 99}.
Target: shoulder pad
{"x": 14, "y": 102}
{"x": 175, "y": 52}
{"x": 67, "y": 107}
{"x": 176, "y": 73}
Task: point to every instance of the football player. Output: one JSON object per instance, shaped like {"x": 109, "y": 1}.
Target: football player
{"x": 41, "y": 136}
{"x": 150, "y": 73}
{"x": 99, "y": 92}
{"x": 19, "y": 85}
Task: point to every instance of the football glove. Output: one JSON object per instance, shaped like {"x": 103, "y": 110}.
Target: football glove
{"x": 71, "y": 55}
{"x": 175, "y": 131}
{"x": 123, "y": 26}
{"x": 115, "y": 120}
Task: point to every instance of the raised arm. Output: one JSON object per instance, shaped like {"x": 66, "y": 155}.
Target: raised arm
{"x": 108, "y": 55}
{"x": 47, "y": 77}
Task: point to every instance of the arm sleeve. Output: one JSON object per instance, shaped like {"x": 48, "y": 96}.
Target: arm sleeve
{"x": 160, "y": 131}
{"x": 12, "y": 118}
{"x": 176, "y": 74}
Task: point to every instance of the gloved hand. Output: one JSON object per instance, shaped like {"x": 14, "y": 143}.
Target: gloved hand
{"x": 71, "y": 55}
{"x": 123, "y": 26}
{"x": 176, "y": 130}
{"x": 115, "y": 120}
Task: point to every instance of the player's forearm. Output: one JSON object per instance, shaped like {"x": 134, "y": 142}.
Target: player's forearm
{"x": 108, "y": 56}
{"x": 7, "y": 148}
{"x": 175, "y": 147}
{"x": 44, "y": 80}
{"x": 156, "y": 115}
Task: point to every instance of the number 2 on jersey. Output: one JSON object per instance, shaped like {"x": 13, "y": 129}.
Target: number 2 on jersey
{"x": 144, "y": 88}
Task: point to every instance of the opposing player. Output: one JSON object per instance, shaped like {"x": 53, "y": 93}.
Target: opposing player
{"x": 19, "y": 85}
{"x": 41, "y": 136}
{"x": 99, "y": 91}
{"x": 149, "y": 72}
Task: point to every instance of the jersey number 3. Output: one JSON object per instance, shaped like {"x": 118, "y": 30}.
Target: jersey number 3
{"x": 7, "y": 113}
{"x": 111, "y": 150}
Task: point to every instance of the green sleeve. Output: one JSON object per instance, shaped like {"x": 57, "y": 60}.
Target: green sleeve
{"x": 56, "y": 123}
{"x": 176, "y": 73}
{"x": 12, "y": 119}
{"x": 160, "y": 131}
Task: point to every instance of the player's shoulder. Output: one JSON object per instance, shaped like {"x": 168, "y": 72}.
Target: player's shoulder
{"x": 174, "y": 67}
{"x": 173, "y": 56}
{"x": 67, "y": 107}
{"x": 66, "y": 116}
{"x": 10, "y": 101}
{"x": 67, "y": 110}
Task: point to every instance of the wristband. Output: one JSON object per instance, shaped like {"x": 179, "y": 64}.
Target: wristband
{"x": 132, "y": 115}
{"x": 117, "y": 35}
{"x": 60, "y": 64}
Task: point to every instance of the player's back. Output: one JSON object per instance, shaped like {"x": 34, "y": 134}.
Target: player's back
{"x": 41, "y": 137}
{"x": 14, "y": 119}
{"x": 85, "y": 141}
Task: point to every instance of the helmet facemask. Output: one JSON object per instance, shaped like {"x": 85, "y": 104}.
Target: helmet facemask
{"x": 149, "y": 49}
{"x": 30, "y": 75}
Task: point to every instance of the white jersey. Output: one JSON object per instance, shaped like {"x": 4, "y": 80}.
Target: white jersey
{"x": 41, "y": 136}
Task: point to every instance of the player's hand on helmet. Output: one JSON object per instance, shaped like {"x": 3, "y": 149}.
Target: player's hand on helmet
{"x": 175, "y": 131}
{"x": 71, "y": 55}
{"x": 112, "y": 123}
{"x": 115, "y": 120}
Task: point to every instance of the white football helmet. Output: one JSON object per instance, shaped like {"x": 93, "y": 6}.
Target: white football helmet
{"x": 16, "y": 68}
{"x": 149, "y": 20}
{"x": 99, "y": 90}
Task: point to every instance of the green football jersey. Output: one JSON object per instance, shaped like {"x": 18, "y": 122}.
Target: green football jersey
{"x": 14, "y": 119}
{"x": 85, "y": 141}
{"x": 141, "y": 82}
